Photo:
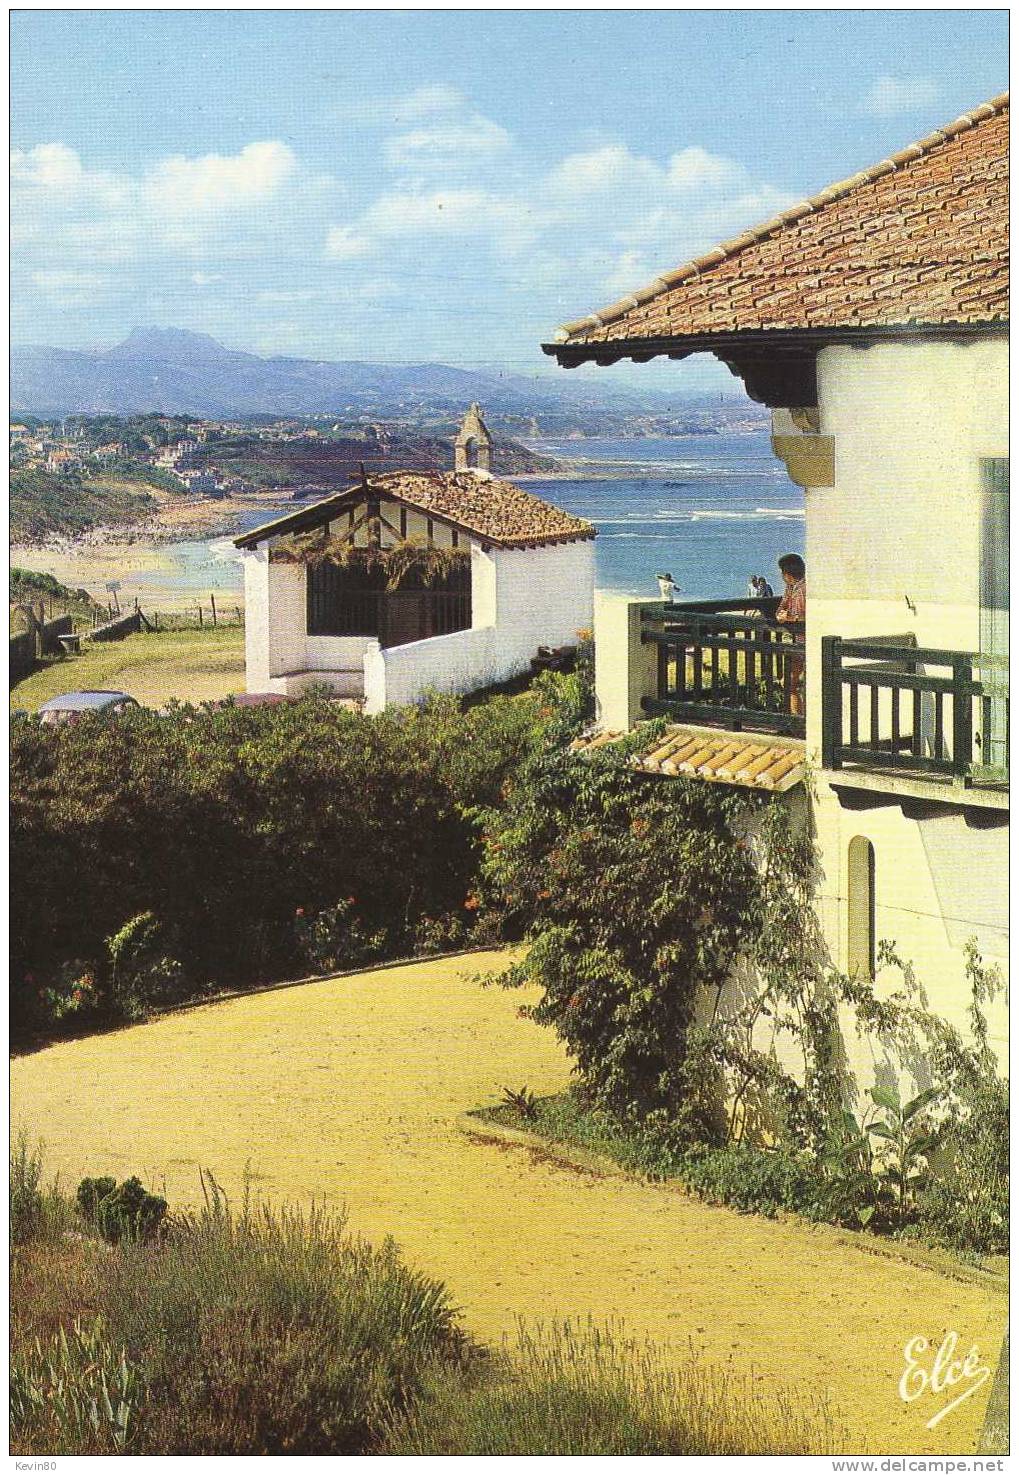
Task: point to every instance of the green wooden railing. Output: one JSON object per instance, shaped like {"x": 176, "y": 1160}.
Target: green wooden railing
{"x": 726, "y": 663}
{"x": 884, "y": 707}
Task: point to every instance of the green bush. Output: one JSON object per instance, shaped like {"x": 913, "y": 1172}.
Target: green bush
{"x": 215, "y": 827}
{"x": 964, "y": 1202}
{"x": 141, "y": 974}
{"x": 635, "y": 897}
{"x": 755, "y": 1181}
{"x": 335, "y": 938}
{"x": 127, "y": 1212}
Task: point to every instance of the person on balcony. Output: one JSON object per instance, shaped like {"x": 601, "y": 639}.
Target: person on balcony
{"x": 759, "y": 588}
{"x": 792, "y": 610}
{"x": 667, "y": 585}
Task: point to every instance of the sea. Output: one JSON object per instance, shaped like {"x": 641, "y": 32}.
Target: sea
{"x": 709, "y": 509}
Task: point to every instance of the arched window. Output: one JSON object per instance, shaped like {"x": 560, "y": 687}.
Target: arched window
{"x": 861, "y": 940}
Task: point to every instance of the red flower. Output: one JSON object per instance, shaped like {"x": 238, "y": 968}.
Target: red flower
{"x": 352, "y": 901}
{"x": 471, "y": 904}
{"x": 299, "y": 912}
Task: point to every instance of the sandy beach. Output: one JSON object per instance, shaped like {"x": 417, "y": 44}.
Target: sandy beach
{"x": 149, "y": 559}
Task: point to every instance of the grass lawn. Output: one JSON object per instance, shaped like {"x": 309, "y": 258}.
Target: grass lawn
{"x": 191, "y": 665}
{"x": 354, "y": 1090}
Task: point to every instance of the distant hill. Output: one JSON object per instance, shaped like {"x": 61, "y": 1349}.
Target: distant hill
{"x": 177, "y": 372}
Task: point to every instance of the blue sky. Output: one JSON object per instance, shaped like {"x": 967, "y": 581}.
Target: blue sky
{"x": 428, "y": 185}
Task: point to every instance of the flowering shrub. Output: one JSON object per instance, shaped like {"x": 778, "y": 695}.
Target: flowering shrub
{"x": 336, "y": 938}
{"x": 221, "y": 824}
{"x": 635, "y": 897}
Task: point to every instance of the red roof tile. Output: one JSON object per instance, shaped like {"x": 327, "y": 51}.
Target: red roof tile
{"x": 493, "y": 511}
{"x": 919, "y": 239}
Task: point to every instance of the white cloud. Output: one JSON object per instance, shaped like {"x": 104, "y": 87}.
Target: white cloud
{"x": 64, "y": 289}
{"x": 448, "y": 144}
{"x": 890, "y": 96}
{"x": 52, "y": 172}
{"x": 217, "y": 181}
{"x": 694, "y": 167}
{"x": 425, "y": 102}
{"x": 596, "y": 171}
{"x": 344, "y": 242}
{"x": 201, "y": 211}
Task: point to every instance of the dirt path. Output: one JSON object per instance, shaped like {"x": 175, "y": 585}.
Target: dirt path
{"x": 350, "y": 1089}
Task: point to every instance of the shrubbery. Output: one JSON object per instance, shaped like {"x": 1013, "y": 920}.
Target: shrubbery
{"x": 671, "y": 929}
{"x": 157, "y": 855}
{"x": 127, "y": 1212}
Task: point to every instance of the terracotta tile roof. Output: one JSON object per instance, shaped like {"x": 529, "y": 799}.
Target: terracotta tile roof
{"x": 496, "y": 511}
{"x": 482, "y": 506}
{"x": 920, "y": 238}
{"x": 745, "y": 759}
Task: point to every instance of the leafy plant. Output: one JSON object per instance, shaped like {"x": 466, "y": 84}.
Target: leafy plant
{"x": 846, "y": 1161}
{"x": 753, "y": 1180}
{"x": 908, "y": 1140}
{"x": 336, "y": 938}
{"x": 633, "y": 898}
{"x": 523, "y": 1102}
{"x": 76, "y": 1394}
{"x": 118, "y": 1213}
{"x": 141, "y": 972}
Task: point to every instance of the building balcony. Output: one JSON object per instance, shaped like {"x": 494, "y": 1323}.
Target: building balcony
{"x": 725, "y": 664}
{"x": 931, "y": 719}
{"x": 893, "y": 717}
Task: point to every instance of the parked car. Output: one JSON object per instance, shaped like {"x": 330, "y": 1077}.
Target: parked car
{"x": 73, "y": 705}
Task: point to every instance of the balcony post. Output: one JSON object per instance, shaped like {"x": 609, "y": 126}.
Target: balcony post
{"x": 962, "y": 721}
{"x": 625, "y": 670}
{"x": 831, "y": 701}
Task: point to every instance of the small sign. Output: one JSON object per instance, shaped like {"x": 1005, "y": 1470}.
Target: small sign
{"x": 113, "y": 586}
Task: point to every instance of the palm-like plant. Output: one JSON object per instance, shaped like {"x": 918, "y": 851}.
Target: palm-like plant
{"x": 908, "y": 1138}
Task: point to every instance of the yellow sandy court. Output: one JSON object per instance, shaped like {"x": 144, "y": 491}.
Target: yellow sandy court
{"x": 349, "y": 1090}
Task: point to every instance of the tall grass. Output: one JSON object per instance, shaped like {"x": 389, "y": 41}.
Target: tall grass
{"x": 36, "y": 1212}
{"x": 274, "y": 1331}
{"x": 582, "y": 1389}
{"x": 76, "y": 1394}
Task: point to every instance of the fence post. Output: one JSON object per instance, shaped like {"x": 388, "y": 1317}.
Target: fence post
{"x": 831, "y": 701}
{"x": 212, "y": 601}
{"x": 201, "y": 624}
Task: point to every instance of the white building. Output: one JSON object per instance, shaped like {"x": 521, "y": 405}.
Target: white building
{"x": 317, "y": 612}
{"x": 873, "y": 320}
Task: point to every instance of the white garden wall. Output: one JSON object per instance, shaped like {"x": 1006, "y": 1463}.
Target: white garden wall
{"x": 520, "y": 599}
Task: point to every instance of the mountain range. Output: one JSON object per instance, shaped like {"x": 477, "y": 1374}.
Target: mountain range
{"x": 174, "y": 371}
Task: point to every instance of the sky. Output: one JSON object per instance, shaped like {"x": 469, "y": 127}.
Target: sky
{"x": 409, "y": 186}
